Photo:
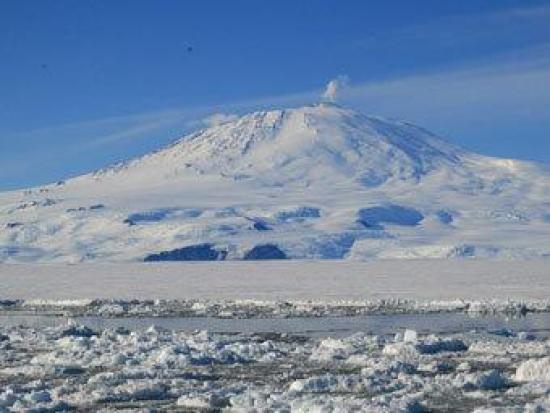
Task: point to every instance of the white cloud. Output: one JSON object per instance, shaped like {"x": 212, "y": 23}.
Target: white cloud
{"x": 527, "y": 12}
{"x": 498, "y": 91}
{"x": 217, "y": 119}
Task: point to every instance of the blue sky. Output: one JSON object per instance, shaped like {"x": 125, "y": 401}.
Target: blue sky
{"x": 86, "y": 83}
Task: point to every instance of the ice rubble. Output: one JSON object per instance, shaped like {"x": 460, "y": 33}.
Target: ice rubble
{"x": 249, "y": 308}
{"x": 534, "y": 370}
{"x": 73, "y": 367}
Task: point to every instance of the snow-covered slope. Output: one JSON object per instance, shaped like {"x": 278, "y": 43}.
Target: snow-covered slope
{"x": 313, "y": 182}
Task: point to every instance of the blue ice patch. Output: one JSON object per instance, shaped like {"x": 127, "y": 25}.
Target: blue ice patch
{"x": 390, "y": 214}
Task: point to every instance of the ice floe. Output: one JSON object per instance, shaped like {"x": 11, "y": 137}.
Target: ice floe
{"x": 76, "y": 367}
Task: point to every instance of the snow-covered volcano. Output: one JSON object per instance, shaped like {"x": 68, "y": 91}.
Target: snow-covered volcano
{"x": 313, "y": 182}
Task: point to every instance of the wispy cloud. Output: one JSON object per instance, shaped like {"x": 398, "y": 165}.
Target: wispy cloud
{"x": 454, "y": 37}
{"x": 494, "y": 90}
{"x": 140, "y": 126}
{"x": 541, "y": 11}
{"x": 219, "y": 119}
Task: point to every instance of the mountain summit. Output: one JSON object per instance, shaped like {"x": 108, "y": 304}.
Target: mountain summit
{"x": 308, "y": 145}
{"x": 318, "y": 181}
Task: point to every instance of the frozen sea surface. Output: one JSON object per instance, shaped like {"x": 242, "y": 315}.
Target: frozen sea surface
{"x": 297, "y": 337}
{"x": 282, "y": 280}
{"x": 381, "y": 324}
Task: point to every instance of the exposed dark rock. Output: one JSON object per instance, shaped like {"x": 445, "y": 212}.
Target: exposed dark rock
{"x": 200, "y": 252}
{"x": 149, "y": 216}
{"x": 48, "y": 202}
{"x": 79, "y": 209}
{"x": 78, "y": 331}
{"x": 160, "y": 214}
{"x": 463, "y": 251}
{"x": 265, "y": 252}
{"x": 26, "y": 205}
{"x": 13, "y": 224}
{"x": 437, "y": 346}
{"x": 298, "y": 214}
{"x": 69, "y": 370}
{"x": 97, "y": 206}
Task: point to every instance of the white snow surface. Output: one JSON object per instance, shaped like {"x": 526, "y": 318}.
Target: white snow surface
{"x": 324, "y": 281}
{"x": 318, "y": 182}
{"x": 278, "y": 288}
